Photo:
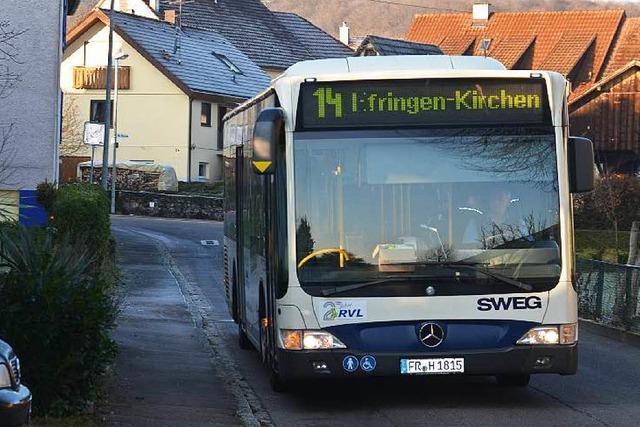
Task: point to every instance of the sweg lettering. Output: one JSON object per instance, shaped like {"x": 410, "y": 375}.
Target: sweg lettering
{"x": 510, "y": 303}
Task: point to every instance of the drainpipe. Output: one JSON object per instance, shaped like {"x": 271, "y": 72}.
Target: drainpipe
{"x": 189, "y": 138}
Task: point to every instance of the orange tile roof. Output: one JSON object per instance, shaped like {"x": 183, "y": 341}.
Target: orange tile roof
{"x": 510, "y": 49}
{"x": 564, "y": 56}
{"x": 627, "y": 48}
{"x": 456, "y": 45}
{"x": 561, "y": 37}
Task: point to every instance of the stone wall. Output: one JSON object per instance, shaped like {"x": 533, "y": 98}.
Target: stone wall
{"x": 168, "y": 205}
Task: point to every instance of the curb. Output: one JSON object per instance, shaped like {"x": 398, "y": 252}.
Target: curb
{"x": 250, "y": 411}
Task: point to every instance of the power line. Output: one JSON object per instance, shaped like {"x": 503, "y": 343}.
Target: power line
{"x": 443, "y": 9}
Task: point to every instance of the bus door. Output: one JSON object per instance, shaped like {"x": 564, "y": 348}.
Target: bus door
{"x": 239, "y": 278}
{"x": 253, "y": 245}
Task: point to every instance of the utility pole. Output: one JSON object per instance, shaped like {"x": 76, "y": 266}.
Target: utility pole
{"x": 107, "y": 112}
{"x": 114, "y": 170}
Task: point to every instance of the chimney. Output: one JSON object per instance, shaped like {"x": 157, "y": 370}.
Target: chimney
{"x": 155, "y": 5}
{"x": 345, "y": 35}
{"x": 481, "y": 12}
{"x": 170, "y": 16}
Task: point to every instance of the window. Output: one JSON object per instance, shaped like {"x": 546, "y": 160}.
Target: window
{"x": 205, "y": 114}
{"x": 226, "y": 61}
{"x": 485, "y": 44}
{"x": 203, "y": 172}
{"x": 97, "y": 111}
{"x": 400, "y": 202}
{"x": 221, "y": 112}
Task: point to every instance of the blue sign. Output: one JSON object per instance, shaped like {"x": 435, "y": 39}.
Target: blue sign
{"x": 350, "y": 363}
{"x": 368, "y": 363}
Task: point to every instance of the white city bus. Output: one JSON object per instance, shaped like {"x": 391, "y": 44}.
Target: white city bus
{"x": 396, "y": 216}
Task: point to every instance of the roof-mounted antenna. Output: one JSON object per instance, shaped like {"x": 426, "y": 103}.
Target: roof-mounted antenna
{"x": 178, "y": 27}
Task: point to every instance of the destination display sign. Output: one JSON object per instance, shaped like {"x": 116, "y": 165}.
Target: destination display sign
{"x": 424, "y": 102}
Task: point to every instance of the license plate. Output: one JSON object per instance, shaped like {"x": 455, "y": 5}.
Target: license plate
{"x": 447, "y": 365}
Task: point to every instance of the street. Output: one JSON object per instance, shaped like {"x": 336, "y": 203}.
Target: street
{"x": 604, "y": 392}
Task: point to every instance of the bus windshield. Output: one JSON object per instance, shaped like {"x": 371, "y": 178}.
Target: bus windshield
{"x": 401, "y": 208}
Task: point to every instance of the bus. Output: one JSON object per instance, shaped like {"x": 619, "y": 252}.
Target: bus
{"x": 406, "y": 215}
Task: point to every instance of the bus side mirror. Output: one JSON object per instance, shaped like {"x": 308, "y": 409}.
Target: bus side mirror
{"x": 266, "y": 134}
{"x": 581, "y": 165}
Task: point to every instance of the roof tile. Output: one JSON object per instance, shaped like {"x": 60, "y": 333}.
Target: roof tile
{"x": 388, "y": 47}
{"x": 555, "y": 34}
{"x": 249, "y": 25}
{"x": 194, "y": 65}
{"x": 319, "y": 44}
{"x": 627, "y": 48}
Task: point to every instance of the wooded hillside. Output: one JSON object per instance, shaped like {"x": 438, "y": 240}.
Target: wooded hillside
{"x": 382, "y": 18}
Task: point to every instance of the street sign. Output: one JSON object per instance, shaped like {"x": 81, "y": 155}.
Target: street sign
{"x": 123, "y": 135}
{"x": 93, "y": 133}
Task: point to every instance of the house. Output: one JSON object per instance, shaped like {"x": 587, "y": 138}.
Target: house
{"x": 596, "y": 50}
{"x": 31, "y": 43}
{"x": 274, "y": 41}
{"x": 383, "y": 46}
{"x": 134, "y": 7}
{"x": 174, "y": 88}
{"x": 609, "y": 111}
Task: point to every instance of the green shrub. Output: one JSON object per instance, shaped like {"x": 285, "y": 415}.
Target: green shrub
{"x": 46, "y": 193}
{"x": 81, "y": 214}
{"x": 57, "y": 313}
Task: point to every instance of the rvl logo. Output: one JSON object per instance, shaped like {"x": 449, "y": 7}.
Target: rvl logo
{"x": 335, "y": 310}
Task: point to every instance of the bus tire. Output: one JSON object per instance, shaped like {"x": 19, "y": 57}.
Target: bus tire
{"x": 278, "y": 385}
{"x": 243, "y": 339}
{"x": 234, "y": 297}
{"x": 520, "y": 380}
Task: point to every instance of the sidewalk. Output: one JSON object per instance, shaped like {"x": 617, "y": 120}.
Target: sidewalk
{"x": 163, "y": 375}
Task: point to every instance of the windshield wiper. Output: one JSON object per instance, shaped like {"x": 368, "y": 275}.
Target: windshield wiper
{"x": 345, "y": 288}
{"x": 488, "y": 272}
{"x": 505, "y": 279}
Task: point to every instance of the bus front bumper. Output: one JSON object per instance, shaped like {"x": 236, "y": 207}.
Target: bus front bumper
{"x": 558, "y": 359}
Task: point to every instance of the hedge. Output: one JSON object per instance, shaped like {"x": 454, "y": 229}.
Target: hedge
{"x": 58, "y": 299}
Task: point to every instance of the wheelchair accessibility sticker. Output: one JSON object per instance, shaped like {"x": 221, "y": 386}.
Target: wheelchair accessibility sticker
{"x": 350, "y": 363}
{"x": 368, "y": 363}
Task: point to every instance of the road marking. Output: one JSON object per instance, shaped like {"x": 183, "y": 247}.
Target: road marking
{"x": 209, "y": 243}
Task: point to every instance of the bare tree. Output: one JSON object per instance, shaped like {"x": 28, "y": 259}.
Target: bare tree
{"x": 72, "y": 129}
{"x": 9, "y": 78}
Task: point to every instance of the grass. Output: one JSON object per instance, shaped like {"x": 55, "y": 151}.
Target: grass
{"x": 601, "y": 245}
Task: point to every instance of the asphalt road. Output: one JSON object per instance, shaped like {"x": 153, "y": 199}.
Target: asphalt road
{"x": 606, "y": 390}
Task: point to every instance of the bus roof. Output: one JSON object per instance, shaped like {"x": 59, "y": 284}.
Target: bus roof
{"x": 391, "y": 63}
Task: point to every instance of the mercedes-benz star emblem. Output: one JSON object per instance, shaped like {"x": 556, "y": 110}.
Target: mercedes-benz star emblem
{"x": 431, "y": 334}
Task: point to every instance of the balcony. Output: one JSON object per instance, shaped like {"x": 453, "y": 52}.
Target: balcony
{"x": 96, "y": 77}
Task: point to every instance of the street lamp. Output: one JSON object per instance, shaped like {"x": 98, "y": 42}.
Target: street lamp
{"x": 121, "y": 56}
{"x": 107, "y": 112}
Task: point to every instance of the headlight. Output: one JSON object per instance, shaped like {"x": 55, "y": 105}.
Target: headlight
{"x": 5, "y": 378}
{"x": 557, "y": 334}
{"x": 296, "y": 339}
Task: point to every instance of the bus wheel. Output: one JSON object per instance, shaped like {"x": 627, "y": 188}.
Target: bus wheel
{"x": 278, "y": 384}
{"x": 243, "y": 339}
{"x": 264, "y": 346}
{"x": 521, "y": 380}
